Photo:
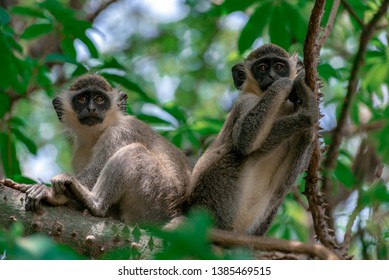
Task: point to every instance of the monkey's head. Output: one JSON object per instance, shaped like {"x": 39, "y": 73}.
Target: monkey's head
{"x": 90, "y": 99}
{"x": 263, "y": 67}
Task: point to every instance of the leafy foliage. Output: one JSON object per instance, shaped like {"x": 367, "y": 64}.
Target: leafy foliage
{"x": 34, "y": 247}
{"x": 177, "y": 76}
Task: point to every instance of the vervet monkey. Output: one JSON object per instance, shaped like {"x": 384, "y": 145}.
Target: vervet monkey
{"x": 122, "y": 167}
{"x": 265, "y": 143}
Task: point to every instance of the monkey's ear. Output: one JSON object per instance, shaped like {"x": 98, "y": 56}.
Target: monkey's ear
{"x": 238, "y": 75}
{"x": 58, "y": 107}
{"x": 122, "y": 102}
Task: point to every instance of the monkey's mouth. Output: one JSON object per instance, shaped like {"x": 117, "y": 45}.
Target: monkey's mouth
{"x": 90, "y": 121}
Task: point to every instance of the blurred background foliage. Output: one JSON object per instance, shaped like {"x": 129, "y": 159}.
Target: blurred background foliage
{"x": 173, "y": 58}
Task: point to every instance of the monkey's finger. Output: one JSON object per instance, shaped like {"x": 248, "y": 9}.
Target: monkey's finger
{"x": 32, "y": 203}
{"x": 29, "y": 204}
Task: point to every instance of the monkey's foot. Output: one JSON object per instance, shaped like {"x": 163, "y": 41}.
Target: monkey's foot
{"x": 16, "y": 186}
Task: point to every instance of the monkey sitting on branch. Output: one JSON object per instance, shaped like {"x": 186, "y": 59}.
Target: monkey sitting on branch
{"x": 265, "y": 143}
{"x": 122, "y": 167}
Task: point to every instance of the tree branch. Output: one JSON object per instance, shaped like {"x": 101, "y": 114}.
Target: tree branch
{"x": 88, "y": 235}
{"x": 102, "y": 7}
{"x": 315, "y": 200}
{"x": 330, "y": 24}
{"x": 366, "y": 35}
{"x": 228, "y": 239}
{"x": 339, "y": 132}
{"x": 352, "y": 12}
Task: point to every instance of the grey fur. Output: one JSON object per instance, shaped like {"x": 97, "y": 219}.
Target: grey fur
{"x": 265, "y": 143}
{"x": 122, "y": 167}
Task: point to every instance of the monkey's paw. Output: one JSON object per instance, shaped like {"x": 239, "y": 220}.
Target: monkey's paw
{"x": 281, "y": 86}
{"x": 34, "y": 195}
{"x": 61, "y": 182}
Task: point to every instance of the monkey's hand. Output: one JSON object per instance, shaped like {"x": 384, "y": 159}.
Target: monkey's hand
{"x": 35, "y": 195}
{"x": 61, "y": 182}
{"x": 282, "y": 86}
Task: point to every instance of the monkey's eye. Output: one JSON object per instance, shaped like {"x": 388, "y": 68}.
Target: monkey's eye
{"x": 279, "y": 66}
{"x": 99, "y": 99}
{"x": 82, "y": 99}
{"x": 262, "y": 67}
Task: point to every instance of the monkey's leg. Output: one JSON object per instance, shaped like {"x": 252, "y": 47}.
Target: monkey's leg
{"x": 132, "y": 179}
{"x": 251, "y": 130}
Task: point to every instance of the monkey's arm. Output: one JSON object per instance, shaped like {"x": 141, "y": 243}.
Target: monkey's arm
{"x": 302, "y": 121}
{"x": 283, "y": 129}
{"x": 253, "y": 127}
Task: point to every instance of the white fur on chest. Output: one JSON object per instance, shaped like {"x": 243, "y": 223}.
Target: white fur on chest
{"x": 258, "y": 182}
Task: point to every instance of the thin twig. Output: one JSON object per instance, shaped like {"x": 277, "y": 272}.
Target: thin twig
{"x": 102, "y": 7}
{"x": 365, "y": 37}
{"x": 330, "y": 25}
{"x": 352, "y": 12}
{"x": 339, "y": 132}
{"x": 349, "y": 226}
{"x": 231, "y": 239}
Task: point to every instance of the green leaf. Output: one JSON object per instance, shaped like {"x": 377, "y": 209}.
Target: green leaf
{"x": 67, "y": 45}
{"x": 278, "y": 31}
{"x": 5, "y": 102}
{"x": 136, "y": 233}
{"x": 382, "y": 138}
{"x": 31, "y": 146}
{"x": 27, "y": 11}
{"x": 22, "y": 179}
{"x": 344, "y": 174}
{"x": 4, "y": 16}
{"x": 178, "y": 113}
{"x": 377, "y": 75}
{"x": 126, "y": 232}
{"x": 90, "y": 45}
{"x": 58, "y": 57}
{"x": 42, "y": 77}
{"x": 151, "y": 244}
{"x": 295, "y": 22}
{"x": 36, "y": 30}
{"x": 39, "y": 247}
{"x": 375, "y": 194}
{"x": 8, "y": 155}
{"x": 229, "y": 6}
{"x": 254, "y": 27}
{"x": 60, "y": 12}
{"x": 112, "y": 63}
{"x": 17, "y": 122}
{"x": 125, "y": 82}
{"x": 151, "y": 119}
{"x": 326, "y": 71}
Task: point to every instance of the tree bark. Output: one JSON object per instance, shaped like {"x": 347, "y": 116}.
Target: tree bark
{"x": 88, "y": 235}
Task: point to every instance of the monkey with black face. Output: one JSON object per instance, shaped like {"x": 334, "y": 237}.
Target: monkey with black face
{"x": 122, "y": 167}
{"x": 265, "y": 143}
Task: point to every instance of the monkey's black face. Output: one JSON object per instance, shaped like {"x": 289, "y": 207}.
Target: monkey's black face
{"x": 90, "y": 106}
{"x": 269, "y": 69}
